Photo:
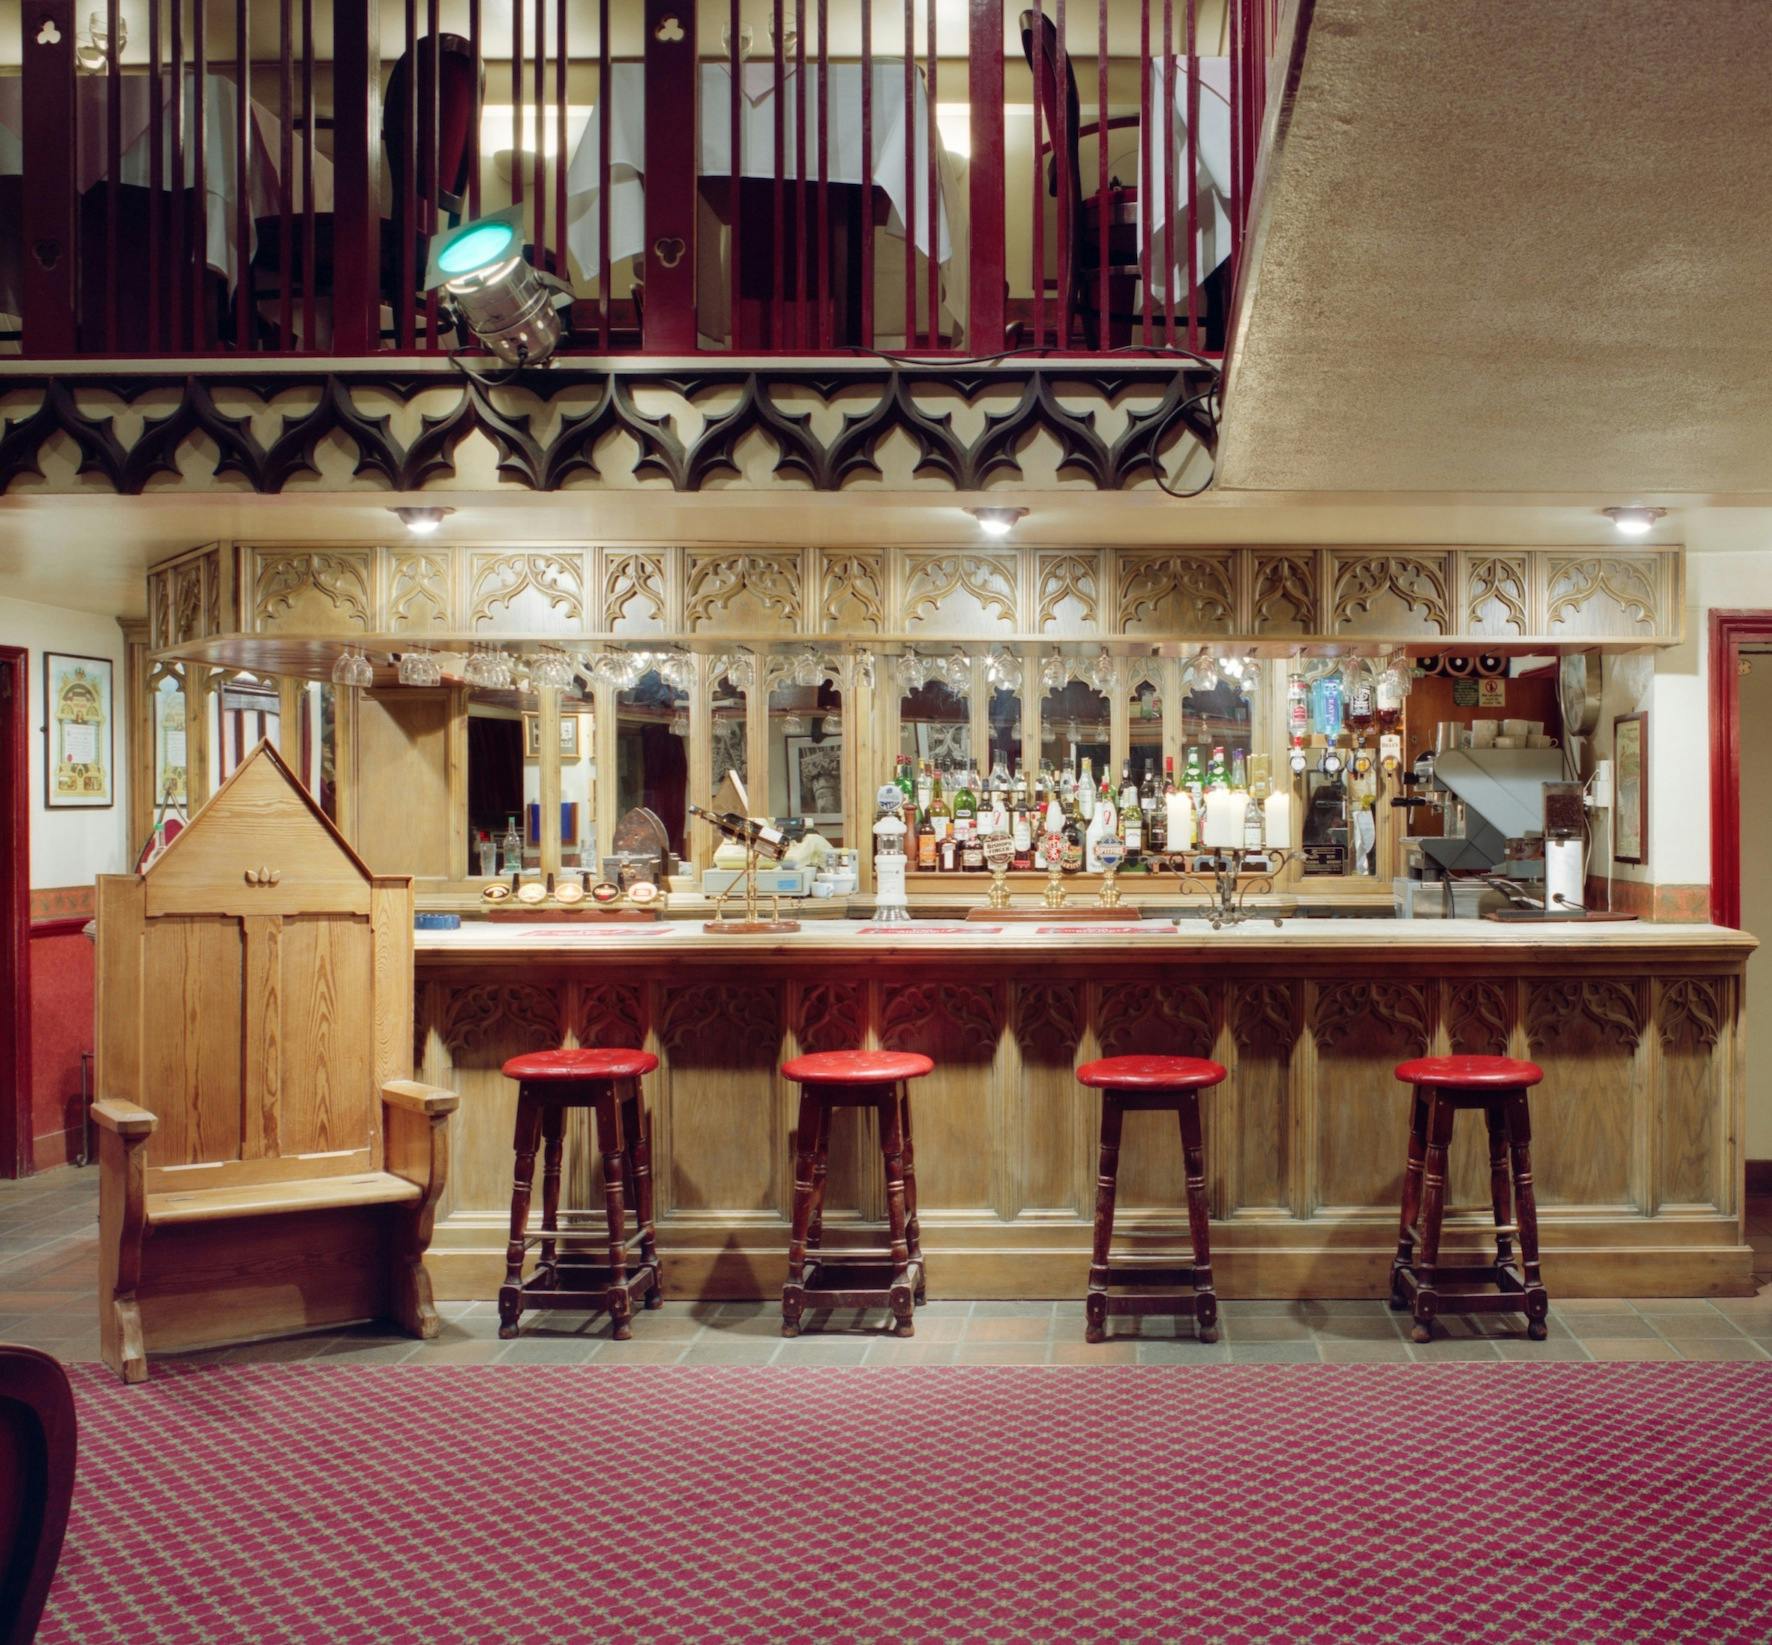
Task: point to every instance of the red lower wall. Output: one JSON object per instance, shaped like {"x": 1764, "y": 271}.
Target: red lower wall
{"x": 61, "y": 1028}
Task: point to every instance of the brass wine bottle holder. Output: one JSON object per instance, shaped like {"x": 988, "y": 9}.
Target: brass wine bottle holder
{"x": 1229, "y": 888}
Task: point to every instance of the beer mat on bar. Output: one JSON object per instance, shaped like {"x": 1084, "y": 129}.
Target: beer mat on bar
{"x": 583, "y": 933}
{"x": 922, "y": 928}
{"x": 1100, "y": 928}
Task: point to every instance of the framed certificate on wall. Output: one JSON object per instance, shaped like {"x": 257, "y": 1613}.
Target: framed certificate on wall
{"x": 1630, "y": 816}
{"x": 78, "y": 764}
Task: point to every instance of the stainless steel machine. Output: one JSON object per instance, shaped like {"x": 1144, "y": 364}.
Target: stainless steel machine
{"x": 1512, "y": 822}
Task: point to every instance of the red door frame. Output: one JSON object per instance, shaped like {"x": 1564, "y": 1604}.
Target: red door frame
{"x": 15, "y": 913}
{"x": 1729, "y": 632}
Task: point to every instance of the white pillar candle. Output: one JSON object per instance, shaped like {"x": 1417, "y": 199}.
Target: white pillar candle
{"x": 1178, "y": 820}
{"x": 1226, "y": 809}
{"x": 1276, "y": 820}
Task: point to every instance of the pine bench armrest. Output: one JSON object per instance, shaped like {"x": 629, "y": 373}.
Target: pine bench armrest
{"x": 125, "y": 1119}
{"x": 415, "y": 1097}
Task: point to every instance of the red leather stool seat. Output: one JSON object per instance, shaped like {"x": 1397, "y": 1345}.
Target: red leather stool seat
{"x": 582, "y": 1063}
{"x": 857, "y": 1067}
{"x": 1150, "y": 1073}
{"x": 1469, "y": 1073}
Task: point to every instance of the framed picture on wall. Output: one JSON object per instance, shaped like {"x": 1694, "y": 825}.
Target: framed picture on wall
{"x": 815, "y": 779}
{"x": 569, "y": 744}
{"x": 79, "y": 740}
{"x": 1630, "y": 770}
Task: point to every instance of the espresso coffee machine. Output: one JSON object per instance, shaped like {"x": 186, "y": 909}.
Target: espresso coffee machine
{"x": 1512, "y": 821}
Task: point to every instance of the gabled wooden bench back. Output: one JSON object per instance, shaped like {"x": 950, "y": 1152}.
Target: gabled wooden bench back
{"x": 254, "y": 991}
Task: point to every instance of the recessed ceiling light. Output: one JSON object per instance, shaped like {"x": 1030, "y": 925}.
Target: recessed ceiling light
{"x": 421, "y": 522}
{"x": 1634, "y": 522}
{"x": 997, "y": 522}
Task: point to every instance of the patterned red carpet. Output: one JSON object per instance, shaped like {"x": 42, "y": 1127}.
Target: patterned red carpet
{"x": 1227, "y": 1504}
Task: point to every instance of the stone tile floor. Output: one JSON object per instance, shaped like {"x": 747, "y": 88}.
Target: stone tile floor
{"x": 48, "y": 1278}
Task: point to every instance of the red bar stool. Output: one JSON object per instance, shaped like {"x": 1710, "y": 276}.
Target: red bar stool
{"x": 569, "y": 1274}
{"x": 1162, "y": 1083}
{"x": 1444, "y": 1085}
{"x": 890, "y": 1278}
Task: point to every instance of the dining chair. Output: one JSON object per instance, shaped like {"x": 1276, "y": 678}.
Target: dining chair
{"x": 133, "y": 274}
{"x": 462, "y": 78}
{"x": 1078, "y": 282}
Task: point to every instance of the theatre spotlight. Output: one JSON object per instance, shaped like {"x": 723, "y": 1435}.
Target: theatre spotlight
{"x": 511, "y": 306}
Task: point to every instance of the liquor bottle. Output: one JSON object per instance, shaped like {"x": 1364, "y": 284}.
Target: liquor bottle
{"x": 939, "y": 813}
{"x": 1252, "y": 825}
{"x": 1239, "y": 769}
{"x": 925, "y": 789}
{"x": 488, "y": 855}
{"x": 1128, "y": 790}
{"x": 769, "y": 840}
{"x": 511, "y": 848}
{"x": 947, "y": 858}
{"x": 965, "y": 810}
{"x": 1133, "y": 830}
{"x": 999, "y": 773}
{"x": 1072, "y": 860}
{"x": 1360, "y": 708}
{"x": 907, "y": 785}
{"x": 1193, "y": 778}
{"x": 1387, "y": 700}
{"x": 1298, "y": 709}
{"x": 1021, "y": 836}
{"x": 1156, "y": 832}
{"x": 1217, "y": 772}
{"x": 1086, "y": 791}
{"x": 1326, "y": 706}
{"x": 926, "y": 852}
{"x": 1103, "y": 825}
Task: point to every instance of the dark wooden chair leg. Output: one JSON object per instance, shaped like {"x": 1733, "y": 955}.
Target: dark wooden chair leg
{"x": 1399, "y": 1298}
{"x": 553, "y": 1134}
{"x": 821, "y": 1167}
{"x": 913, "y": 1229}
{"x": 1500, "y": 1190}
{"x": 1537, "y": 1299}
{"x": 1199, "y": 1219}
{"x": 1106, "y": 1185}
{"x": 900, "y": 1298}
{"x": 510, "y": 1294}
{"x": 642, "y": 1154}
{"x": 806, "y": 1161}
{"x": 611, "y": 1142}
{"x": 1439, "y": 1135}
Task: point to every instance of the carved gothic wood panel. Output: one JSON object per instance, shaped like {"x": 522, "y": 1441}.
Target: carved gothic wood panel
{"x": 749, "y": 589}
{"x": 1392, "y": 594}
{"x": 1283, "y": 595}
{"x": 1692, "y": 1017}
{"x": 957, "y": 1024}
{"x": 1048, "y": 1108}
{"x": 538, "y": 589}
{"x": 319, "y": 592}
{"x": 1362, "y": 1031}
{"x": 1601, "y": 594}
{"x": 1586, "y": 1034}
{"x": 1068, "y": 594}
{"x": 417, "y": 595}
{"x": 1266, "y": 1022}
{"x": 634, "y": 591}
{"x": 953, "y": 592}
{"x": 722, "y": 1040}
{"x": 851, "y": 591}
{"x": 1497, "y": 593}
{"x": 1167, "y": 593}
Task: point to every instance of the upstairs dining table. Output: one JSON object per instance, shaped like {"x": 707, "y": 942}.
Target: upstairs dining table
{"x": 893, "y": 140}
{"x": 221, "y": 172}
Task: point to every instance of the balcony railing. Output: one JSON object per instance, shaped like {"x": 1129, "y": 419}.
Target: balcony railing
{"x": 958, "y": 177}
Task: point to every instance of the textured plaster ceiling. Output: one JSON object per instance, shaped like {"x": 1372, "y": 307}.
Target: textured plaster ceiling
{"x": 1514, "y": 248}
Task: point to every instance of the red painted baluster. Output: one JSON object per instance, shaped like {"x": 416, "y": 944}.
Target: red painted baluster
{"x": 541, "y": 116}
{"x": 1165, "y": 127}
{"x": 824, "y": 309}
{"x": 478, "y": 98}
{"x": 1190, "y": 158}
{"x": 865, "y": 334}
{"x": 1039, "y": 216}
{"x": 356, "y": 157}
{"x": 986, "y": 317}
{"x": 285, "y": 179}
{"x": 406, "y": 209}
{"x": 932, "y": 204}
{"x": 113, "y": 170}
{"x": 310, "y": 277}
{"x": 734, "y": 176}
{"x": 1150, "y": 133}
{"x": 201, "y": 337}
{"x": 910, "y": 176}
{"x": 177, "y": 312}
{"x": 605, "y": 91}
{"x": 802, "y": 251}
{"x": 49, "y": 258}
{"x": 778, "y": 317}
{"x": 1103, "y": 325}
{"x": 245, "y": 311}
{"x": 1062, "y": 138}
{"x": 156, "y": 269}
{"x": 431, "y": 216}
{"x": 562, "y": 155}
{"x": 671, "y": 70}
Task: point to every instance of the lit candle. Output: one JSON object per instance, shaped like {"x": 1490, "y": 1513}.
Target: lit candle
{"x": 1226, "y": 809}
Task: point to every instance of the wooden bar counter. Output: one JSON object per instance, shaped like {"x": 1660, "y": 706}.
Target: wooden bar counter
{"x": 1637, "y": 1126}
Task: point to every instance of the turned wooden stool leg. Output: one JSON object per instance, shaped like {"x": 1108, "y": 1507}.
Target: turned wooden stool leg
{"x": 1537, "y": 1300}
{"x": 640, "y": 1162}
{"x": 1501, "y": 1197}
{"x": 510, "y": 1294}
{"x": 900, "y": 1298}
{"x": 1106, "y": 1183}
{"x": 1439, "y": 1134}
{"x": 1411, "y": 1198}
{"x": 1199, "y": 1221}
{"x": 610, "y": 1141}
{"x": 807, "y": 1158}
{"x": 821, "y": 1166}
{"x": 553, "y": 1133}
{"x": 912, "y": 1228}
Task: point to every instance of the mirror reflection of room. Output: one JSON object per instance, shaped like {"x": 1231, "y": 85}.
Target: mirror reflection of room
{"x": 495, "y": 785}
{"x": 652, "y": 754}
{"x": 806, "y": 757}
{"x": 1074, "y": 725}
{"x": 935, "y": 728}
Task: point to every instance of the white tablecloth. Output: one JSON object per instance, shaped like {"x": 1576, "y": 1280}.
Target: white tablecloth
{"x": 1212, "y": 171}
{"x": 627, "y": 147}
{"x": 221, "y": 182}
